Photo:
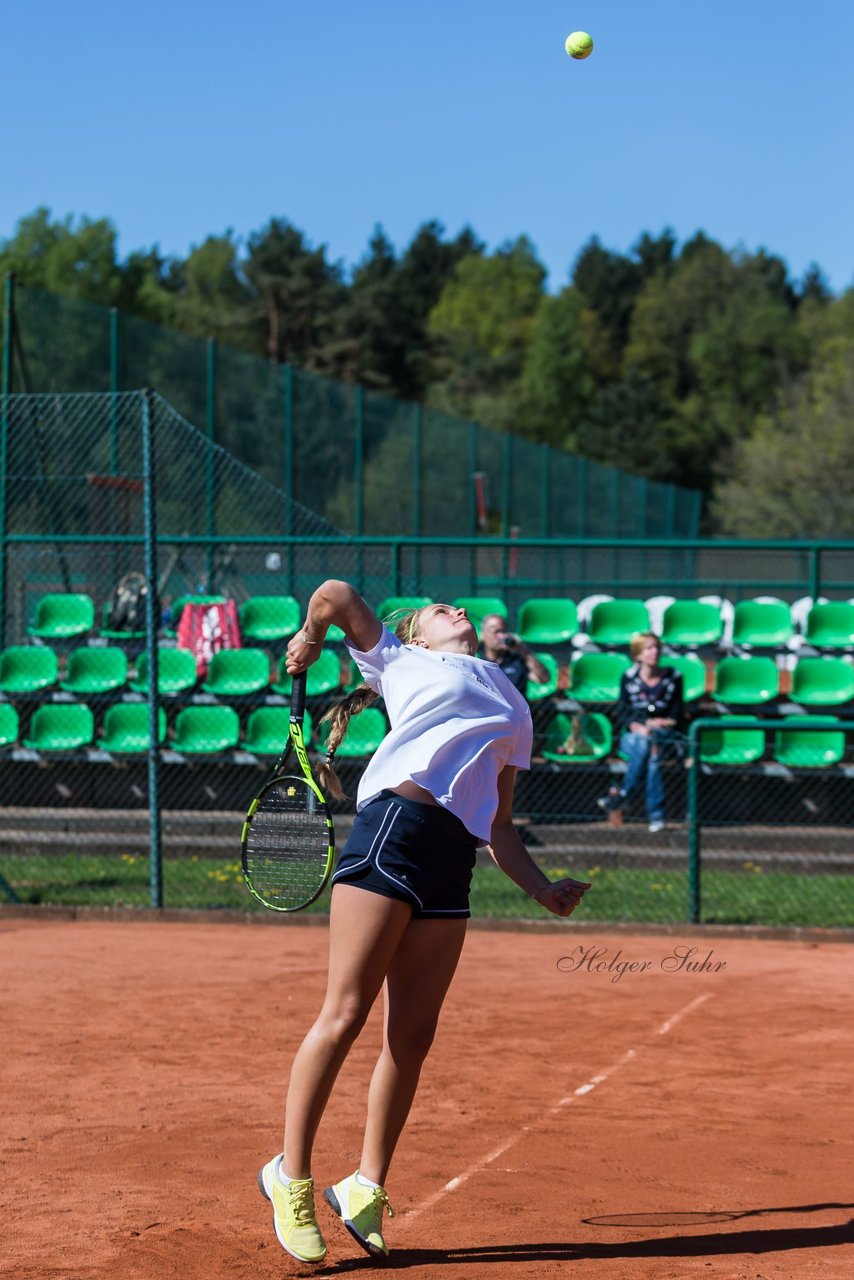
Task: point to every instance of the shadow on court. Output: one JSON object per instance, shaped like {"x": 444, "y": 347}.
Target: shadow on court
{"x": 756, "y": 1240}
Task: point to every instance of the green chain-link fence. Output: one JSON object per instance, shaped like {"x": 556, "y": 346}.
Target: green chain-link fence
{"x": 766, "y": 843}
{"x": 93, "y": 487}
{"x": 366, "y": 463}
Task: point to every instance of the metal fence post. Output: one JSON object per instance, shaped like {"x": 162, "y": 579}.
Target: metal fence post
{"x": 506, "y": 498}
{"x": 210, "y": 478}
{"x": 814, "y": 572}
{"x": 417, "y": 454}
{"x": 545, "y": 490}
{"x": 582, "y": 522}
{"x": 358, "y": 482}
{"x": 288, "y": 478}
{"x": 694, "y": 855}
{"x": 8, "y": 332}
{"x": 115, "y": 321}
{"x": 152, "y": 625}
{"x": 474, "y": 515}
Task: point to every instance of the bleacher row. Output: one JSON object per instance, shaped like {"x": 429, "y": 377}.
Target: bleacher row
{"x": 598, "y": 620}
{"x": 712, "y": 642}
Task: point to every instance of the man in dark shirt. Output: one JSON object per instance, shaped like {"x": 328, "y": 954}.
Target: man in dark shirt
{"x": 498, "y": 644}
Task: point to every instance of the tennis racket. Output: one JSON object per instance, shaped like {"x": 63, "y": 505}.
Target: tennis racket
{"x": 288, "y": 843}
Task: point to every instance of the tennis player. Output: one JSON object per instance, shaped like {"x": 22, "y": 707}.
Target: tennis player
{"x": 439, "y": 785}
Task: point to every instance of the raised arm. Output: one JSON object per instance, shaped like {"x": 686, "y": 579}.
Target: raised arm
{"x": 561, "y": 897}
{"x": 333, "y": 602}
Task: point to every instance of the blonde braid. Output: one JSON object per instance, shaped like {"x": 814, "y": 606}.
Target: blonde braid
{"x": 340, "y": 713}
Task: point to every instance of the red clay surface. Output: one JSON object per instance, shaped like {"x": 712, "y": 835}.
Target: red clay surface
{"x": 667, "y": 1124}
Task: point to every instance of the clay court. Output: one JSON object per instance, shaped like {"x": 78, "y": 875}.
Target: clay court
{"x": 672, "y": 1124}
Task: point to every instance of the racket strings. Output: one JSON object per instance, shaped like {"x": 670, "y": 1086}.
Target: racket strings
{"x": 286, "y": 852}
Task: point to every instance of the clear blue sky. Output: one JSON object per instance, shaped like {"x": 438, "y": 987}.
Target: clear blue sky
{"x": 183, "y": 119}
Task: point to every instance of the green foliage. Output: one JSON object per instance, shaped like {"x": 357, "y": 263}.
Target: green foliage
{"x": 794, "y": 476}
{"x": 76, "y": 259}
{"x": 674, "y": 362}
{"x": 292, "y": 298}
{"x": 557, "y": 379}
{"x": 484, "y": 321}
{"x": 717, "y": 336}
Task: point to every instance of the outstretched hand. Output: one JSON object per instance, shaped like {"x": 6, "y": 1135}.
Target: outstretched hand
{"x": 561, "y": 897}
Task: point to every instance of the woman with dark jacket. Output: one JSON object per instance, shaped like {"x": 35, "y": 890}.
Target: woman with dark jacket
{"x": 650, "y": 713}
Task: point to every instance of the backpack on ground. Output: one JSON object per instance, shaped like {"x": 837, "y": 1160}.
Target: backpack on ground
{"x": 126, "y": 611}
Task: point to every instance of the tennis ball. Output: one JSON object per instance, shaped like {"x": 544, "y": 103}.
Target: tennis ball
{"x": 579, "y": 45}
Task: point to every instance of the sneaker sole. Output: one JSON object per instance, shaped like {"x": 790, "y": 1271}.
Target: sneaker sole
{"x": 268, "y": 1195}
{"x": 332, "y": 1200}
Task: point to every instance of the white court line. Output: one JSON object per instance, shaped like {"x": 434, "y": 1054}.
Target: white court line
{"x": 671, "y": 1022}
{"x": 581, "y": 1091}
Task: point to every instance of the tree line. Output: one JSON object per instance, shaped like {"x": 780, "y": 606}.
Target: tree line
{"x": 687, "y": 363}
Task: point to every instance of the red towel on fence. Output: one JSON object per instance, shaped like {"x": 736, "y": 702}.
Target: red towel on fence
{"x": 204, "y": 629}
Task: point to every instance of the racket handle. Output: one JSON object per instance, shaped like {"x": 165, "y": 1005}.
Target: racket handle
{"x": 298, "y": 696}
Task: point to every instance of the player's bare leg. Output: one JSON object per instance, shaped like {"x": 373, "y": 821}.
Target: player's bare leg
{"x": 418, "y": 980}
{"x": 365, "y": 930}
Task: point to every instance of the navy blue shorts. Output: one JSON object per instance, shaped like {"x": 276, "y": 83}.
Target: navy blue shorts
{"x": 417, "y": 853}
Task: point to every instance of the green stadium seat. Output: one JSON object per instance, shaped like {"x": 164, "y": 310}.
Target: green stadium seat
{"x": 267, "y": 731}
{"x": 61, "y": 726}
{"x": 547, "y": 620}
{"x": 322, "y": 677}
{"x": 725, "y": 745}
{"x": 593, "y": 732}
{"x": 746, "y": 681}
{"x": 364, "y": 734}
{"x": 8, "y": 725}
{"x": 536, "y": 691}
{"x": 266, "y": 619}
{"x": 803, "y": 748}
{"x": 394, "y": 604}
{"x": 27, "y": 668}
{"x": 176, "y": 672}
{"x": 693, "y": 674}
{"x": 823, "y": 682}
{"x": 831, "y": 625}
{"x": 614, "y": 622}
{"x": 334, "y": 635}
{"x": 691, "y": 623}
{"x": 92, "y": 671}
{"x": 478, "y": 607}
{"x": 235, "y": 673}
{"x": 63, "y": 616}
{"x": 761, "y": 624}
{"x": 205, "y": 730}
{"x": 126, "y": 728}
{"x": 595, "y": 677}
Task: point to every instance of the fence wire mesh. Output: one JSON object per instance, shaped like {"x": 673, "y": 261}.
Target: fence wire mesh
{"x": 366, "y": 463}
{"x": 758, "y": 829}
{"x": 774, "y": 840}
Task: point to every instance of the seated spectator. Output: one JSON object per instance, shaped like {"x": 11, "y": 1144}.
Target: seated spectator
{"x": 516, "y": 660}
{"x": 650, "y": 713}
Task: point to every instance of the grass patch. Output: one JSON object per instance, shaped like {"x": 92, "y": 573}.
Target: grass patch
{"x": 748, "y": 896}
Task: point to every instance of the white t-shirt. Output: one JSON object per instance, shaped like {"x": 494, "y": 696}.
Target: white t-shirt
{"x": 456, "y": 722}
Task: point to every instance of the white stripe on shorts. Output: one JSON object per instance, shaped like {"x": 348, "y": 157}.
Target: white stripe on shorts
{"x": 392, "y": 813}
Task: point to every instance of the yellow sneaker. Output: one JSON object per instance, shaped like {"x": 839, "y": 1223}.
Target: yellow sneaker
{"x": 360, "y": 1208}
{"x": 293, "y": 1213}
